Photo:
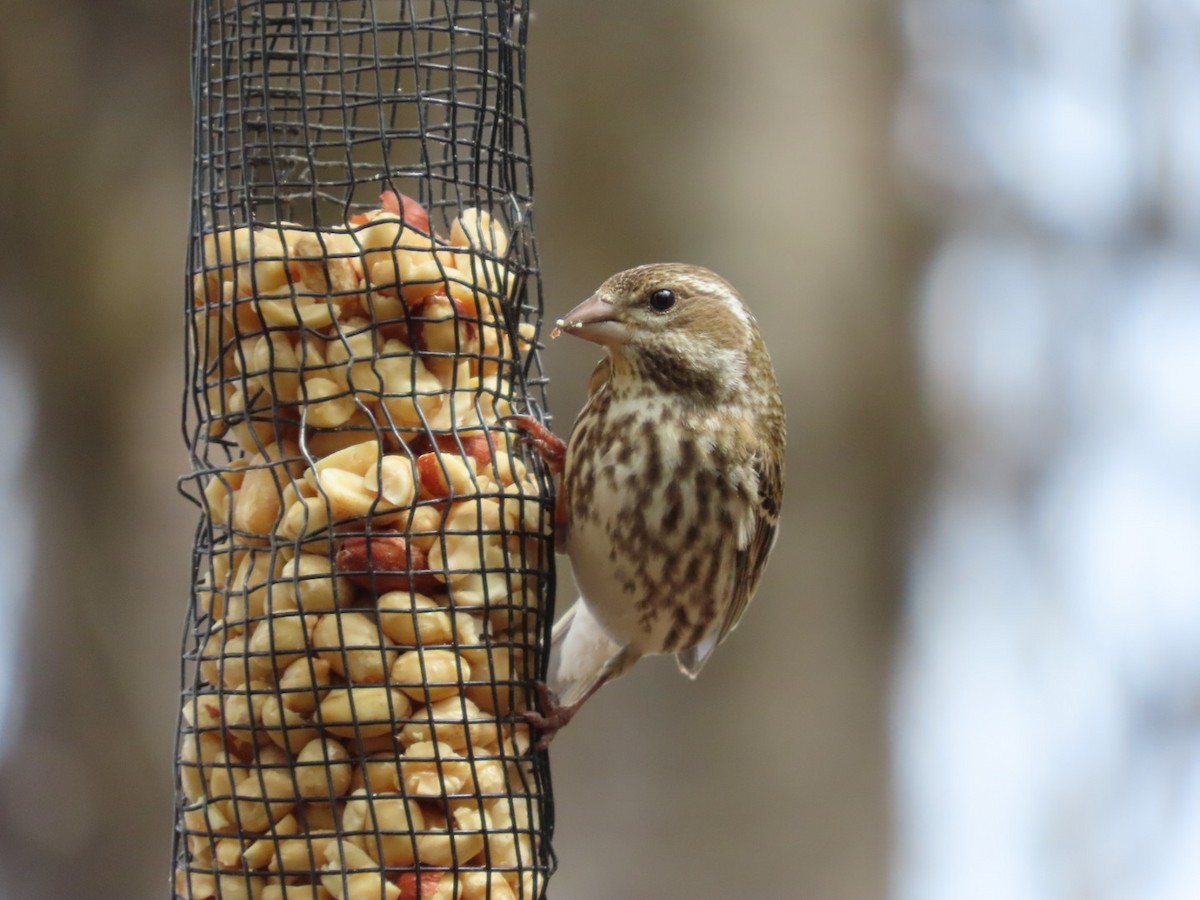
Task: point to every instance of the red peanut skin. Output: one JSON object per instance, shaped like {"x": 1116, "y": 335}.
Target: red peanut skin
{"x": 477, "y": 446}
{"x": 384, "y": 563}
{"x": 414, "y": 214}
{"x": 419, "y": 887}
{"x": 429, "y": 469}
{"x": 429, "y": 466}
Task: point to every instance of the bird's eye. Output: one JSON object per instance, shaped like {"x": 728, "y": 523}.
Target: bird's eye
{"x": 662, "y": 299}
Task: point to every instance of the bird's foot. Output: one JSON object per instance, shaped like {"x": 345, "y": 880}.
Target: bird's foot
{"x": 551, "y": 448}
{"x": 552, "y": 717}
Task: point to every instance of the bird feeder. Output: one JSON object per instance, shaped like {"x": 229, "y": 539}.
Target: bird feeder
{"x": 372, "y": 575}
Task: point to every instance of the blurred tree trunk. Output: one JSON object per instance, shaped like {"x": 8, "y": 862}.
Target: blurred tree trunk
{"x": 754, "y": 140}
{"x": 95, "y": 153}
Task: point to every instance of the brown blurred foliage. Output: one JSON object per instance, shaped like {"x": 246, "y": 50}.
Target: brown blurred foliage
{"x": 749, "y": 138}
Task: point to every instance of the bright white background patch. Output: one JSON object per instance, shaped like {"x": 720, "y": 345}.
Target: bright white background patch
{"x": 16, "y": 534}
{"x": 1045, "y": 730}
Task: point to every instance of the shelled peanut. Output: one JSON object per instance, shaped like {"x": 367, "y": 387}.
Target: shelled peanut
{"x": 377, "y": 325}
{"x": 366, "y": 605}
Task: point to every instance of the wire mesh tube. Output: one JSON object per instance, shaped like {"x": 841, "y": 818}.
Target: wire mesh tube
{"x": 372, "y": 569}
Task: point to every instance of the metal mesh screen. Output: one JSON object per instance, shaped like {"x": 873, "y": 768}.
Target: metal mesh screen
{"x": 372, "y": 569}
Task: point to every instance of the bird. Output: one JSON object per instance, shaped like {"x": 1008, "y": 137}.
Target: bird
{"x": 670, "y": 484}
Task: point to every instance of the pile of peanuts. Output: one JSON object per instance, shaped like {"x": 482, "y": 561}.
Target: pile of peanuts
{"x": 366, "y": 596}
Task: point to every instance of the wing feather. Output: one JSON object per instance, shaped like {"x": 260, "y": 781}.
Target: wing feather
{"x": 751, "y": 552}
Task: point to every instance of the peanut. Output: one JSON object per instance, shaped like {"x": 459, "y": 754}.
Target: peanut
{"x": 445, "y": 325}
{"x": 354, "y": 647}
{"x": 252, "y": 425}
{"x": 434, "y": 770}
{"x": 304, "y": 684}
{"x": 491, "y": 779}
{"x": 323, "y": 442}
{"x": 305, "y": 517}
{"x": 247, "y": 597}
{"x": 413, "y": 619}
{"x": 311, "y": 585}
{"x": 466, "y": 551}
{"x": 260, "y": 853}
{"x": 411, "y": 392}
{"x": 441, "y": 846}
{"x": 479, "y": 885}
{"x": 260, "y": 799}
{"x": 217, "y": 248}
{"x": 323, "y": 770}
{"x": 497, "y": 671}
{"x": 347, "y": 494}
{"x": 362, "y": 711}
{"x": 276, "y": 366}
{"x": 379, "y": 774}
{"x": 297, "y": 855}
{"x": 356, "y": 458}
{"x": 276, "y": 642}
{"x": 239, "y": 711}
{"x": 196, "y": 752}
{"x": 455, "y": 721}
{"x": 392, "y": 480}
{"x": 381, "y": 304}
{"x": 384, "y": 563}
{"x": 430, "y": 675}
{"x": 429, "y": 886}
{"x": 281, "y": 309}
{"x": 327, "y": 404}
{"x": 256, "y": 503}
{"x": 383, "y": 827}
{"x": 320, "y": 270}
{"x": 445, "y": 475}
{"x": 424, "y": 526}
{"x": 505, "y": 594}
{"x": 508, "y": 841}
{"x": 220, "y": 488}
{"x": 222, "y": 661}
{"x": 476, "y": 228}
{"x": 238, "y": 887}
{"x": 286, "y": 727}
{"x": 223, "y": 774}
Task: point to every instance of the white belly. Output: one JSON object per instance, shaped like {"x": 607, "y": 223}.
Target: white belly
{"x": 597, "y": 576}
{"x": 627, "y": 545}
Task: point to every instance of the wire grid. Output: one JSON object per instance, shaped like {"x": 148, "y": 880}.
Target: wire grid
{"x": 372, "y": 572}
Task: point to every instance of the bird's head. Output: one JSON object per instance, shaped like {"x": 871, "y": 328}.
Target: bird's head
{"x": 682, "y": 327}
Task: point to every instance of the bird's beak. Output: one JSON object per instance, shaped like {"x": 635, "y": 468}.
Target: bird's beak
{"x": 594, "y": 320}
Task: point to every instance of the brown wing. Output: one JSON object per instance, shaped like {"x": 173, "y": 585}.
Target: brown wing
{"x": 750, "y": 552}
{"x": 750, "y": 557}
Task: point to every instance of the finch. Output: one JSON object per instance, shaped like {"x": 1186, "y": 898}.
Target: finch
{"x": 670, "y": 484}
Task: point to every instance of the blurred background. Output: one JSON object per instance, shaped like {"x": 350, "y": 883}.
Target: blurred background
{"x": 969, "y": 229}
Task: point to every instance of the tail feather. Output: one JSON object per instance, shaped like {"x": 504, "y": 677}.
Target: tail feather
{"x": 583, "y": 654}
{"x": 692, "y": 659}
